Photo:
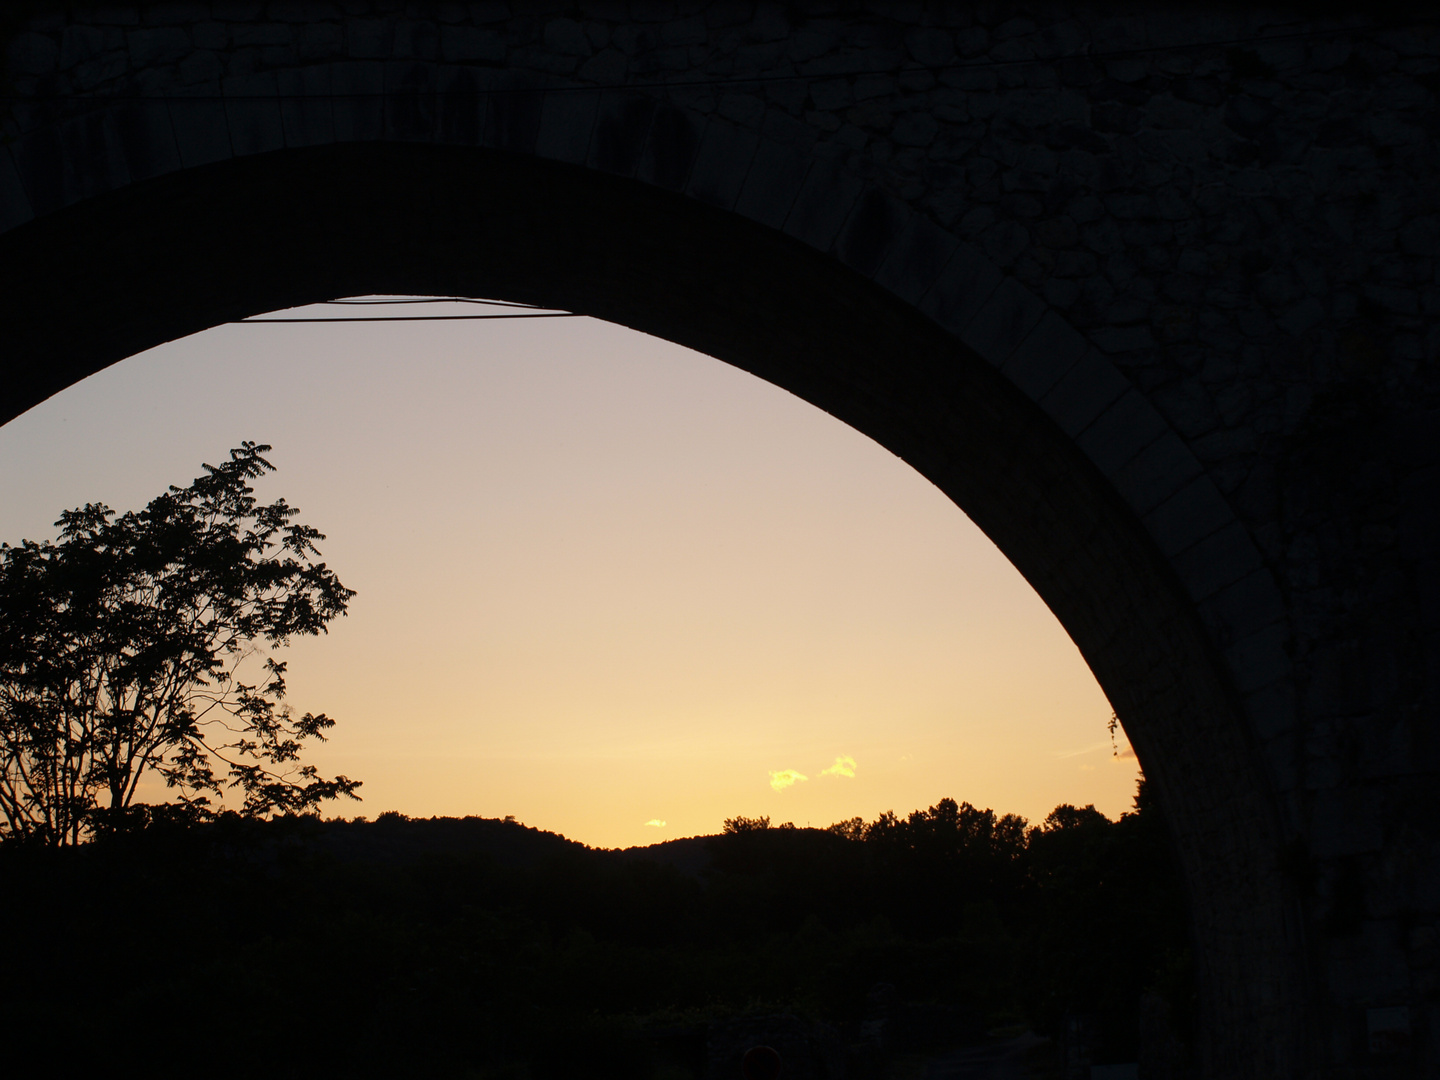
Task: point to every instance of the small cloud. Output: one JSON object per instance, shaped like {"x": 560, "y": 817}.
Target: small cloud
{"x": 1123, "y": 754}
{"x": 844, "y": 766}
{"x": 656, "y": 822}
{"x": 1077, "y": 753}
{"x": 780, "y": 779}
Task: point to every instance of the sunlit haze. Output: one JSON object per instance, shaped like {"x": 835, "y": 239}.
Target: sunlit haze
{"x": 607, "y": 585}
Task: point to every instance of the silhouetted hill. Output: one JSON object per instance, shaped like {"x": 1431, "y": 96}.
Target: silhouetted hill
{"x": 395, "y": 839}
{"x": 779, "y": 850}
{"x": 476, "y": 947}
{"x": 690, "y": 855}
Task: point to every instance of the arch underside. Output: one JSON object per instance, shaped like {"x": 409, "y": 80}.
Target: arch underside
{"x": 111, "y": 276}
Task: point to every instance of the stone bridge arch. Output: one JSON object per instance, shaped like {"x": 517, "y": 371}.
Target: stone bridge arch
{"x": 1149, "y": 293}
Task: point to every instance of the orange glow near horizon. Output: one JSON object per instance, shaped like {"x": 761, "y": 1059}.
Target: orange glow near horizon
{"x": 617, "y": 589}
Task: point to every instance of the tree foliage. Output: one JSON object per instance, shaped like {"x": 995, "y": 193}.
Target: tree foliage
{"x": 742, "y": 824}
{"x": 143, "y": 642}
{"x": 482, "y": 948}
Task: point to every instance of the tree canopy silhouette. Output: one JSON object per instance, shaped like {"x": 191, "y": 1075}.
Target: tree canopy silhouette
{"x": 122, "y": 649}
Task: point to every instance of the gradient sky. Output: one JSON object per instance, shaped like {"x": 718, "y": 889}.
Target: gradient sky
{"x": 603, "y": 581}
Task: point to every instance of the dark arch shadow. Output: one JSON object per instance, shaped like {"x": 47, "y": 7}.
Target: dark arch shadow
{"x": 109, "y": 277}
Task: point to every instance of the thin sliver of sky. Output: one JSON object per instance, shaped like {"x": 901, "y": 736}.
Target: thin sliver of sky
{"x": 610, "y": 586}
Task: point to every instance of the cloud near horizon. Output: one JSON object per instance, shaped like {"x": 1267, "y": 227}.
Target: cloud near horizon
{"x": 655, "y": 821}
{"x": 780, "y": 779}
{"x": 1062, "y": 754}
{"x": 844, "y": 766}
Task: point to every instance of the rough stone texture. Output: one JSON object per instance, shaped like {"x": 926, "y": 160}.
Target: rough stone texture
{"x": 1179, "y": 265}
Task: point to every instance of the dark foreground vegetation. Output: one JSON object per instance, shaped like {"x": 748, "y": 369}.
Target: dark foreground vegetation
{"x": 298, "y": 947}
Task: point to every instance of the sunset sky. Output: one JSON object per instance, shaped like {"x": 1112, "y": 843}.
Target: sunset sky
{"x": 610, "y": 586}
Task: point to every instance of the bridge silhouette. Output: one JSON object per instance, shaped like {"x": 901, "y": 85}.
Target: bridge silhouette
{"x": 1148, "y": 290}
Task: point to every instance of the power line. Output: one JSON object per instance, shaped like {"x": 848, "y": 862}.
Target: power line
{"x": 435, "y": 300}
{"x": 260, "y": 321}
{"x": 531, "y": 311}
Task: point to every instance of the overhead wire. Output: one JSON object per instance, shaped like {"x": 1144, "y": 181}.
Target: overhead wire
{"x": 530, "y": 311}
{"x": 262, "y": 321}
{"x": 437, "y": 300}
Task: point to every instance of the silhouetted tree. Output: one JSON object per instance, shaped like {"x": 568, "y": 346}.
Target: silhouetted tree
{"x": 741, "y": 824}
{"x": 851, "y": 828}
{"x": 121, "y": 652}
{"x": 969, "y": 852}
{"x": 1108, "y": 920}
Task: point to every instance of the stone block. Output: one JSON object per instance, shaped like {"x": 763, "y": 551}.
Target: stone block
{"x": 1216, "y": 562}
{"x": 80, "y": 43}
{"x": 915, "y": 129}
{"x": 1391, "y": 750}
{"x": 1345, "y": 821}
{"x": 202, "y": 130}
{"x": 1194, "y": 512}
{"x": 70, "y": 161}
{"x": 824, "y": 202}
{"x": 968, "y": 281}
{"x": 854, "y": 62}
{"x": 747, "y": 110}
{"x": 722, "y": 164}
{"x": 146, "y": 138}
{"x": 236, "y": 10}
{"x": 358, "y": 106}
{"x": 1120, "y": 433}
{"x": 918, "y": 256}
{"x": 306, "y": 114}
{"x": 1121, "y": 339}
{"x": 410, "y": 101}
{"x": 776, "y": 176}
{"x": 621, "y": 131}
{"x": 32, "y": 54}
{"x": 874, "y": 224}
{"x": 832, "y": 95}
{"x": 1301, "y": 316}
{"x": 367, "y": 39}
{"x": 252, "y": 111}
{"x": 567, "y": 37}
{"x": 567, "y": 123}
{"x": 1246, "y": 607}
{"x": 176, "y": 11}
{"x": 1271, "y": 709}
{"x": 512, "y": 114}
{"x": 163, "y": 45}
{"x": 15, "y": 206}
{"x": 259, "y": 34}
{"x": 930, "y": 46}
{"x": 671, "y": 146}
{"x": 1083, "y": 393}
{"x": 1261, "y": 659}
{"x": 1045, "y": 356}
{"x": 1005, "y": 241}
{"x": 201, "y": 67}
{"x": 1003, "y": 322}
{"x": 460, "y": 107}
{"x": 302, "y": 10}
{"x": 1156, "y": 473}
{"x": 684, "y": 31}
{"x": 468, "y": 43}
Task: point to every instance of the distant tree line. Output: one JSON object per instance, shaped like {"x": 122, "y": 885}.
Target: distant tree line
{"x": 1077, "y": 916}
{"x": 482, "y": 948}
